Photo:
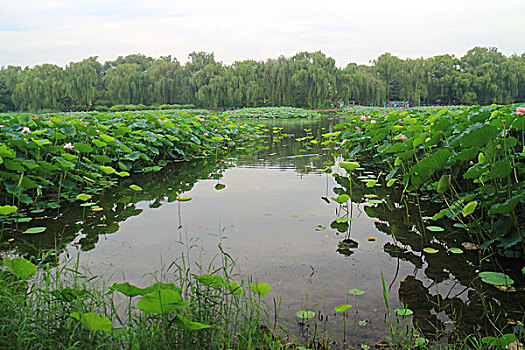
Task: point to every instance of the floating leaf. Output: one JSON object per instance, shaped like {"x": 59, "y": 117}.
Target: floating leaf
{"x": 356, "y": 291}
{"x": 363, "y": 323}
{"x": 183, "y": 199}
{"x": 342, "y": 307}
{"x": 319, "y": 228}
{"x": 34, "y": 230}
{"x": 305, "y": 314}
{"x": 375, "y": 201}
{"x": 430, "y": 250}
{"x": 89, "y": 204}
{"x": 404, "y": 312}
{"x": 456, "y": 251}
{"x": 495, "y": 278}
{"x": 93, "y": 322}
{"x": 219, "y": 187}
{"x": 391, "y": 182}
{"x": 20, "y": 267}
{"x": 371, "y": 239}
{"x": 435, "y": 228}
{"x": 342, "y": 220}
{"x": 83, "y": 197}
{"x": 371, "y": 183}
{"x": 262, "y": 288}
{"x": 135, "y": 188}
{"x": 26, "y": 219}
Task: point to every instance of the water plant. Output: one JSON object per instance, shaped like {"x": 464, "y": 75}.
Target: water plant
{"x": 59, "y": 307}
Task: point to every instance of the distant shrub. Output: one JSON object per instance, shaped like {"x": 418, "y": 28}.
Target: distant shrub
{"x": 118, "y": 108}
{"x": 167, "y": 106}
{"x": 101, "y": 108}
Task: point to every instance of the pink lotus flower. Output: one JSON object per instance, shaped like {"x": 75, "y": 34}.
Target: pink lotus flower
{"x": 202, "y": 119}
{"x": 520, "y": 110}
{"x": 25, "y": 129}
{"x": 357, "y": 128}
{"x": 160, "y": 121}
{"x": 362, "y": 117}
{"x": 68, "y": 146}
{"x": 400, "y": 120}
{"x": 373, "y": 121}
{"x": 403, "y": 137}
{"x": 86, "y": 123}
{"x": 206, "y": 134}
{"x": 35, "y": 117}
{"x": 2, "y": 125}
{"x": 165, "y": 120}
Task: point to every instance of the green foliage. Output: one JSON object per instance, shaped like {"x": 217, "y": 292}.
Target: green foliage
{"x": 261, "y": 288}
{"x": 59, "y": 157}
{"x": 20, "y": 267}
{"x": 307, "y": 79}
{"x": 271, "y": 113}
{"x": 162, "y": 301}
{"x": 471, "y": 156}
{"x": 496, "y": 278}
{"x": 342, "y": 307}
{"x": 356, "y": 291}
{"x": 305, "y": 314}
{"x": 93, "y": 322}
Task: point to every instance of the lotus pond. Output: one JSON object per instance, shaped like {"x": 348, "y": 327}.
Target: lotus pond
{"x": 331, "y": 212}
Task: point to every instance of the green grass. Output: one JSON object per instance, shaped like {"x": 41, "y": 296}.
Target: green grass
{"x": 64, "y": 308}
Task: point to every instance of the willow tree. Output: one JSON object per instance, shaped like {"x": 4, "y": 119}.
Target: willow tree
{"x": 9, "y": 78}
{"x": 126, "y": 84}
{"x": 82, "y": 79}
{"x": 42, "y": 87}
{"x": 165, "y": 76}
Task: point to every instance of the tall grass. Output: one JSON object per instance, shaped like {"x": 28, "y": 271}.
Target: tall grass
{"x": 63, "y": 308}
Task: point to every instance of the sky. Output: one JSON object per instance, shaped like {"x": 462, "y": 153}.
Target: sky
{"x": 62, "y": 31}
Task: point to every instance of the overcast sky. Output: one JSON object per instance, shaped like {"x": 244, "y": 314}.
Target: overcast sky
{"x": 61, "y": 31}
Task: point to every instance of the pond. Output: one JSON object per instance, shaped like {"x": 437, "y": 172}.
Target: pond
{"x": 270, "y": 208}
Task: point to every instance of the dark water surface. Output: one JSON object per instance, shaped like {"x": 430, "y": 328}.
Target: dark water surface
{"x": 265, "y": 219}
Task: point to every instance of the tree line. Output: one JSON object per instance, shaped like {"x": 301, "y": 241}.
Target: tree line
{"x": 307, "y": 79}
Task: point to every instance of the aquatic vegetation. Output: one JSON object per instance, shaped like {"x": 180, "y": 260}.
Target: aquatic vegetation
{"x": 53, "y": 158}
{"x": 64, "y": 309}
{"x": 468, "y": 158}
{"x": 271, "y": 113}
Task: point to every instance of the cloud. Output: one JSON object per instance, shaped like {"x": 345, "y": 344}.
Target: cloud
{"x": 34, "y": 32}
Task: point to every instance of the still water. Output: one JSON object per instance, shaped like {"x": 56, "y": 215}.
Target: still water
{"x": 275, "y": 218}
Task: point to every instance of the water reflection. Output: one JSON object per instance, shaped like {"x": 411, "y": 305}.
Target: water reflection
{"x": 275, "y": 196}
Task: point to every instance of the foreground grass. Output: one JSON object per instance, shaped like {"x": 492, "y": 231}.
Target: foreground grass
{"x": 62, "y": 308}
{"x": 185, "y": 307}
